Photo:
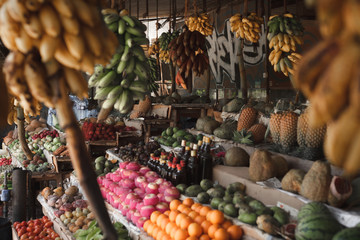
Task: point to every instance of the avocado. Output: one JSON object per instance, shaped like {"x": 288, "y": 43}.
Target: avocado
{"x": 264, "y": 211}
{"x": 203, "y": 198}
{"x": 236, "y": 187}
{"x": 213, "y": 192}
{"x": 248, "y": 199}
{"x": 163, "y": 134}
{"x": 228, "y": 199}
{"x": 100, "y": 159}
{"x": 218, "y": 186}
{"x": 238, "y": 199}
{"x": 221, "y": 206}
{"x": 280, "y": 215}
{"x": 193, "y": 190}
{"x": 249, "y": 218}
{"x": 176, "y": 144}
{"x": 206, "y": 184}
{"x": 230, "y": 210}
{"x": 215, "y": 202}
{"x": 175, "y": 129}
{"x": 99, "y": 166}
{"x": 256, "y": 205}
{"x": 169, "y": 131}
{"x": 244, "y": 208}
{"x": 181, "y": 187}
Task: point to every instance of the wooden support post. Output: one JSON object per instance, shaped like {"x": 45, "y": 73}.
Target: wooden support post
{"x": 266, "y": 62}
{"x": 21, "y": 133}
{"x": 137, "y": 8}
{"x": 243, "y": 81}
{"x": 80, "y": 160}
{"x": 122, "y": 4}
{"x": 172, "y": 76}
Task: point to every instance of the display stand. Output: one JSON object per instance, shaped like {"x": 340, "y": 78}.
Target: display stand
{"x": 195, "y": 110}
{"x": 60, "y": 163}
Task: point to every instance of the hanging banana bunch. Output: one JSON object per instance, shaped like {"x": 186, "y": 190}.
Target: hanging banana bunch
{"x": 154, "y": 75}
{"x": 164, "y": 40}
{"x": 48, "y": 37}
{"x": 248, "y": 28}
{"x": 154, "y": 49}
{"x": 200, "y": 23}
{"x": 285, "y": 33}
{"x": 125, "y": 78}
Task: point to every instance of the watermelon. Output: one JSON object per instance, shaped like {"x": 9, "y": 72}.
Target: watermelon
{"x": 348, "y": 234}
{"x": 317, "y": 227}
{"x": 311, "y": 209}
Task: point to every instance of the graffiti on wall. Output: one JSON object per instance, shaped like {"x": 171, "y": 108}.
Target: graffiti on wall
{"x": 223, "y": 50}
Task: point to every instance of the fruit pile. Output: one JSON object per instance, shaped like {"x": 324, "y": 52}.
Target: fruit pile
{"x": 285, "y": 32}
{"x": 45, "y": 37}
{"x": 164, "y": 40}
{"x": 189, "y": 220}
{"x": 154, "y": 48}
{"x": 103, "y": 166}
{"x": 137, "y": 192}
{"x": 154, "y": 75}
{"x": 137, "y": 152}
{"x": 36, "y": 229}
{"x": 200, "y": 23}
{"x": 94, "y": 232}
{"x": 248, "y": 28}
{"x": 45, "y": 134}
{"x": 102, "y": 131}
{"x": 172, "y": 137}
{"x": 328, "y": 77}
{"x": 5, "y": 161}
{"x": 188, "y": 51}
{"x": 125, "y": 78}
{"x": 37, "y": 164}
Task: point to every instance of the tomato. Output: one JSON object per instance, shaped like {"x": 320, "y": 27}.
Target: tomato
{"x": 23, "y": 223}
{"x": 24, "y": 236}
{"x": 29, "y": 229}
{"x": 31, "y": 237}
{"x": 22, "y": 231}
{"x": 48, "y": 224}
{"x": 16, "y": 224}
{"x": 37, "y": 230}
{"x": 37, "y": 222}
{"x": 36, "y": 238}
{"x": 31, "y": 224}
{"x": 44, "y": 218}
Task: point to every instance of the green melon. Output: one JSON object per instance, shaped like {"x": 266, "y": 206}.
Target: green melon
{"x": 317, "y": 227}
{"x": 203, "y": 198}
{"x": 348, "y": 234}
{"x": 311, "y": 209}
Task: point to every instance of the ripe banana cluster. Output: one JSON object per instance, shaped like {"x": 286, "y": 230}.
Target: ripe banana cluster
{"x": 48, "y": 39}
{"x": 200, "y": 23}
{"x": 154, "y": 49}
{"x": 188, "y": 51}
{"x": 248, "y": 28}
{"x": 125, "y": 78}
{"x": 164, "y": 40}
{"x": 285, "y": 33}
{"x": 154, "y": 75}
{"x": 12, "y": 115}
{"x": 328, "y": 75}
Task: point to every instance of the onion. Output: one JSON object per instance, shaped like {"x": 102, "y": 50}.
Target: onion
{"x": 130, "y": 197}
{"x": 151, "y": 199}
{"x": 135, "y": 217}
{"x": 162, "y": 207}
{"x": 139, "y": 180}
{"x": 152, "y": 188}
{"x": 172, "y": 192}
{"x": 146, "y": 211}
{"x": 134, "y": 203}
{"x": 144, "y": 170}
{"x": 128, "y": 183}
{"x": 122, "y": 165}
{"x": 159, "y": 181}
{"x": 141, "y": 221}
{"x": 133, "y": 166}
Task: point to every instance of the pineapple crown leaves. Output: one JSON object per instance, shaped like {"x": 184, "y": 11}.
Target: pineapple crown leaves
{"x": 243, "y": 137}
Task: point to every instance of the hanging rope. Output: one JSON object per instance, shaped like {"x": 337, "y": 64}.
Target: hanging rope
{"x": 285, "y": 6}
{"x": 195, "y": 7}
{"x": 157, "y": 19}
{"x": 186, "y": 9}
{"x": 204, "y": 6}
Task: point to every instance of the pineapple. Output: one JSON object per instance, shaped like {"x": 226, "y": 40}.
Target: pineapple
{"x": 258, "y": 132}
{"x": 302, "y": 128}
{"x": 288, "y": 127}
{"x": 243, "y": 137}
{"x": 247, "y": 118}
{"x": 275, "y": 127}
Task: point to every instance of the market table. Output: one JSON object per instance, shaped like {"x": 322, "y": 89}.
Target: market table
{"x": 194, "y": 110}
{"x": 149, "y": 123}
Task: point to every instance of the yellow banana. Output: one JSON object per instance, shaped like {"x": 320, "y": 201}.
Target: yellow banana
{"x": 75, "y": 44}
{"x": 50, "y": 20}
{"x": 76, "y": 82}
{"x": 64, "y": 7}
{"x": 70, "y": 25}
{"x": 33, "y": 27}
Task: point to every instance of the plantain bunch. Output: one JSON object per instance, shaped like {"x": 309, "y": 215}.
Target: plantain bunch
{"x": 200, "y": 23}
{"x": 188, "y": 51}
{"x": 164, "y": 40}
{"x": 328, "y": 75}
{"x": 47, "y": 38}
{"x": 154, "y": 49}
{"x": 125, "y": 78}
{"x": 154, "y": 75}
{"x": 284, "y": 34}
{"x": 248, "y": 28}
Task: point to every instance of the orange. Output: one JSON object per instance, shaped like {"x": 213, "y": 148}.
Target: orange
{"x": 174, "y": 204}
{"x": 216, "y": 217}
{"x": 166, "y": 237}
{"x": 182, "y": 207}
{"x": 195, "y": 230}
{"x": 164, "y": 222}
{"x": 188, "y": 202}
{"x": 199, "y": 219}
{"x": 151, "y": 228}
{"x": 154, "y": 216}
{"x": 160, "y": 235}
{"x": 222, "y": 234}
{"x": 184, "y": 224}
{"x": 193, "y": 214}
{"x": 170, "y": 226}
{"x": 195, "y": 205}
{"x": 187, "y": 211}
{"x": 181, "y": 234}
{"x": 204, "y": 237}
{"x": 198, "y": 208}
{"x": 167, "y": 212}
{"x": 226, "y": 224}
{"x": 205, "y": 226}
{"x": 204, "y": 210}
{"x": 212, "y": 229}
{"x": 235, "y": 232}
{"x": 179, "y": 218}
{"x": 160, "y": 219}
{"x": 192, "y": 238}
{"x": 173, "y": 232}
{"x": 146, "y": 225}
{"x": 155, "y": 232}
{"x": 173, "y": 214}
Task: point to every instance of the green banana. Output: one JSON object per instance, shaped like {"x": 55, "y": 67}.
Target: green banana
{"x": 120, "y": 49}
{"x": 141, "y": 40}
{"x": 115, "y": 92}
{"x": 121, "y": 26}
{"x": 121, "y": 67}
{"x": 107, "y": 79}
{"x": 129, "y": 20}
{"x": 139, "y": 52}
{"x": 278, "y": 67}
{"x": 125, "y": 83}
{"x": 140, "y": 67}
{"x": 130, "y": 66}
{"x": 135, "y": 31}
{"x": 108, "y": 103}
{"x": 113, "y": 26}
{"x": 139, "y": 24}
{"x": 125, "y": 102}
{"x": 140, "y": 74}
{"x": 126, "y": 55}
{"x": 138, "y": 95}
{"x": 114, "y": 60}
{"x": 288, "y": 62}
{"x": 128, "y": 40}
{"x": 99, "y": 72}
{"x": 139, "y": 86}
{"x": 101, "y": 93}
{"x": 111, "y": 18}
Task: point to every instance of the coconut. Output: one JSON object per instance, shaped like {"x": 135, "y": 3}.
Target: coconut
{"x": 237, "y": 156}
